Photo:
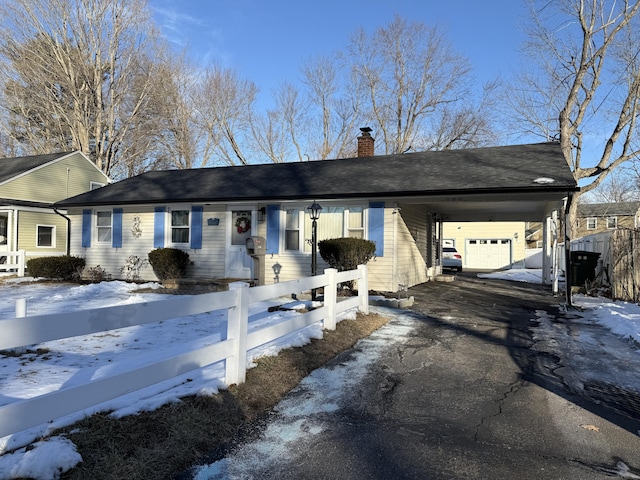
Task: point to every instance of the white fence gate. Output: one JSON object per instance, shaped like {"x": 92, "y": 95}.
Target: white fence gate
{"x": 22, "y": 331}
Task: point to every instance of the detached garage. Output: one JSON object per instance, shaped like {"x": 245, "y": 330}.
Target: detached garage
{"x": 486, "y": 245}
{"x": 488, "y": 253}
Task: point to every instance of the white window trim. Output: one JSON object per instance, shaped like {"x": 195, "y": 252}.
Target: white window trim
{"x": 301, "y": 239}
{"x": 615, "y": 221}
{"x": 302, "y": 220}
{"x": 98, "y": 227}
{"x": 95, "y": 185}
{"x": 53, "y": 235}
{"x": 595, "y": 223}
{"x": 169, "y": 228}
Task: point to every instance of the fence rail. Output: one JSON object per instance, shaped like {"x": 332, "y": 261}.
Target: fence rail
{"x": 13, "y": 261}
{"x": 21, "y": 331}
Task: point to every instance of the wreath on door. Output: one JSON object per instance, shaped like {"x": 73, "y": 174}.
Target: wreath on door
{"x": 243, "y": 224}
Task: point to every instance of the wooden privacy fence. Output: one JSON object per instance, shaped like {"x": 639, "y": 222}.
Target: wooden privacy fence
{"x": 625, "y": 265}
{"x": 22, "y": 331}
{"x": 13, "y": 261}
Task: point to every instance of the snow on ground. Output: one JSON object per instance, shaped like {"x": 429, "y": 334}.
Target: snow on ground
{"x": 71, "y": 361}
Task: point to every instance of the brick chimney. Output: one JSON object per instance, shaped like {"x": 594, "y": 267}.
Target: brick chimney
{"x": 365, "y": 143}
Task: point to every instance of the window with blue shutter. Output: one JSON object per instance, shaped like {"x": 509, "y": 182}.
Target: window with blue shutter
{"x": 86, "y": 228}
{"x": 376, "y": 226}
{"x": 116, "y": 240}
{"x": 196, "y": 227}
{"x": 273, "y": 229}
{"x": 158, "y": 227}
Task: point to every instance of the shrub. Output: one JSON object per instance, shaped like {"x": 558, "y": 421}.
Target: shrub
{"x": 97, "y": 274}
{"x": 169, "y": 263}
{"x": 64, "y": 267}
{"x": 346, "y": 253}
{"x": 131, "y": 268}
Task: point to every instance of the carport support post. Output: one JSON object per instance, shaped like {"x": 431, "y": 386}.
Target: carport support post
{"x": 567, "y": 248}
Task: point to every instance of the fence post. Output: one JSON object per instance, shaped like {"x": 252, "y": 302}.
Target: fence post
{"x": 237, "y": 326}
{"x": 21, "y": 312}
{"x": 330, "y": 298}
{"x": 363, "y": 289}
{"x": 21, "y": 260}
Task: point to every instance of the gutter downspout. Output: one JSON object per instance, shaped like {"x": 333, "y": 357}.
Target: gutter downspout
{"x": 68, "y": 239}
{"x": 567, "y": 248}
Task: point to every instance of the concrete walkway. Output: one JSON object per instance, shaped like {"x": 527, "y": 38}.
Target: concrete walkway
{"x": 452, "y": 389}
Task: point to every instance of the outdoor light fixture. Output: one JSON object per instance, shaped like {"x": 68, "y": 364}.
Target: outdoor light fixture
{"x": 314, "y": 213}
{"x": 276, "y": 271}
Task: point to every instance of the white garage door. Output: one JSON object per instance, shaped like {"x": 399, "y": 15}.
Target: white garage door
{"x": 487, "y": 253}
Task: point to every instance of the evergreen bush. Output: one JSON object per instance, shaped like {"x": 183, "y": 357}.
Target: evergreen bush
{"x": 169, "y": 263}
{"x": 346, "y": 253}
{"x": 63, "y": 267}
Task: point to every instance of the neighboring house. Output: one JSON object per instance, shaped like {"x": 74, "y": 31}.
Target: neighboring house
{"x": 602, "y": 217}
{"x": 486, "y": 245}
{"x": 397, "y": 201}
{"x": 29, "y": 186}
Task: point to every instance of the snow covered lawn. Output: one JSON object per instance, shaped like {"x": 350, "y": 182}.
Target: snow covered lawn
{"x": 68, "y": 362}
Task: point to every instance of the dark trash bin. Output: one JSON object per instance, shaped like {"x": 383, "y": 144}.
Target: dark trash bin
{"x": 583, "y": 267}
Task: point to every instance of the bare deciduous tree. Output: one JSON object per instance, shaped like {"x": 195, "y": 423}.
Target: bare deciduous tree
{"x": 335, "y": 109}
{"x": 77, "y": 73}
{"x": 413, "y": 80}
{"x": 224, "y": 110}
{"x": 586, "y": 87}
{"x": 278, "y": 133}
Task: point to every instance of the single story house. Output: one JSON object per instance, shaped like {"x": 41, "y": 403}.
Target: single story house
{"x": 397, "y": 201}
{"x": 29, "y": 186}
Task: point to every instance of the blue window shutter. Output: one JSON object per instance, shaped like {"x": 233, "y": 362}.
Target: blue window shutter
{"x": 273, "y": 228}
{"x": 196, "y": 227}
{"x": 116, "y": 237}
{"x": 376, "y": 226}
{"x": 86, "y": 228}
{"x": 158, "y": 227}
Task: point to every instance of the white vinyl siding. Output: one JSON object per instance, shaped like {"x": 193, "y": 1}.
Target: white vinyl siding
{"x": 137, "y": 239}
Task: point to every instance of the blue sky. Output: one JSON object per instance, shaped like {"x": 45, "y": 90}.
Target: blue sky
{"x": 267, "y": 41}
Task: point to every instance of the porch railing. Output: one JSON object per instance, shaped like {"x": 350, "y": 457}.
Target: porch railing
{"x": 13, "y": 261}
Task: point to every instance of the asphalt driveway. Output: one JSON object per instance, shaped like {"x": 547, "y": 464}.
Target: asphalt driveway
{"x": 457, "y": 392}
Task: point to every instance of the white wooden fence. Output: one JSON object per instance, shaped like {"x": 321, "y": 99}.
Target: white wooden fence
{"x": 13, "y": 261}
{"x": 21, "y": 331}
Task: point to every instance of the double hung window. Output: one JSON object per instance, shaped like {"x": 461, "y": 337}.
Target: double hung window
{"x": 104, "y": 225}
{"x": 46, "y": 236}
{"x": 180, "y": 226}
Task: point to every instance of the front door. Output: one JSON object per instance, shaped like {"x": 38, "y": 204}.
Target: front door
{"x": 241, "y": 226}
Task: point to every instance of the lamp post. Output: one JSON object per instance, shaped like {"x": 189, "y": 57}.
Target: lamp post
{"x": 314, "y": 213}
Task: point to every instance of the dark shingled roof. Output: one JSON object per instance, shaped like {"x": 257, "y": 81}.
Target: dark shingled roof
{"x": 12, "y": 167}
{"x": 9, "y": 202}
{"x": 608, "y": 209}
{"x": 507, "y": 169}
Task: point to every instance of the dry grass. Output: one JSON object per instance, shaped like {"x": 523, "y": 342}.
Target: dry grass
{"x": 167, "y": 441}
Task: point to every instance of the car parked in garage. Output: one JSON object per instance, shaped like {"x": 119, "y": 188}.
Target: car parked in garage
{"x": 451, "y": 259}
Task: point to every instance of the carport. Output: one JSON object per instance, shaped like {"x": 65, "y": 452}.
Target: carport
{"x": 520, "y": 183}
